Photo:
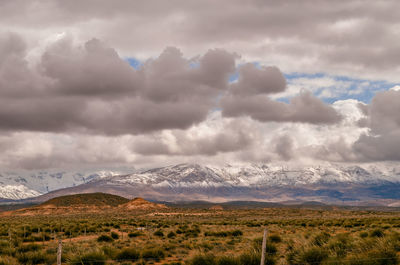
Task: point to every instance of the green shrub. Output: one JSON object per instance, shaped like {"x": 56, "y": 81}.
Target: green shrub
{"x": 110, "y": 251}
{"x": 203, "y": 260}
{"x": 130, "y": 254}
{"x": 134, "y": 234}
{"x": 227, "y": 260}
{"x": 114, "y": 235}
{"x": 250, "y": 259}
{"x": 321, "y": 239}
{"x": 91, "y": 258}
{"x": 35, "y": 258}
{"x": 314, "y": 255}
{"x": 236, "y": 233}
{"x": 105, "y": 238}
{"x": 29, "y": 247}
{"x": 171, "y": 234}
{"x": 275, "y": 238}
{"x": 153, "y": 254}
{"x": 340, "y": 245}
{"x": 377, "y": 233}
{"x": 159, "y": 233}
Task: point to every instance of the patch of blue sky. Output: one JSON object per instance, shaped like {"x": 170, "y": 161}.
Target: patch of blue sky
{"x": 135, "y": 63}
{"x": 340, "y": 87}
{"x": 234, "y": 77}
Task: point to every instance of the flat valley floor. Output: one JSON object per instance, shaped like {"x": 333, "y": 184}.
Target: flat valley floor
{"x": 203, "y": 236}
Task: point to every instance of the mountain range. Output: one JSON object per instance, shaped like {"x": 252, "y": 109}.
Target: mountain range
{"x": 377, "y": 183}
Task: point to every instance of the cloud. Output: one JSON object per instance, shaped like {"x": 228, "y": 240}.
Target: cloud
{"x": 284, "y": 147}
{"x": 209, "y": 138}
{"x": 302, "y": 108}
{"x": 257, "y": 81}
{"x": 381, "y": 142}
{"x": 91, "y": 69}
{"x": 89, "y": 89}
{"x": 341, "y": 37}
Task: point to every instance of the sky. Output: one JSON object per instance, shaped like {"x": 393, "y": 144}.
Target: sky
{"x": 148, "y": 83}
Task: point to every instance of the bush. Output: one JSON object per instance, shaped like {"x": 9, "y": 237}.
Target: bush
{"x": 236, "y": 233}
{"x": 35, "y": 258}
{"x": 105, "y": 238}
{"x": 134, "y": 234}
{"x": 321, "y": 239}
{"x": 171, "y": 235}
{"x": 227, "y": 260}
{"x": 154, "y": 254}
{"x": 250, "y": 259}
{"x": 203, "y": 260}
{"x": 340, "y": 245}
{"x": 314, "y": 255}
{"x": 114, "y": 235}
{"x": 91, "y": 258}
{"x": 29, "y": 247}
{"x": 275, "y": 238}
{"x": 159, "y": 233}
{"x": 130, "y": 254}
{"x": 377, "y": 233}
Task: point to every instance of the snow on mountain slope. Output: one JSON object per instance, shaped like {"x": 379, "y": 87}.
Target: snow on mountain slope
{"x": 17, "y": 192}
{"x": 256, "y": 180}
{"x": 338, "y": 184}
{"x": 25, "y": 184}
{"x": 191, "y": 175}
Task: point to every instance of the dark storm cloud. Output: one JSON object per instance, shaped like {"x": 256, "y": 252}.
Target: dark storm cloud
{"x": 93, "y": 69}
{"x": 249, "y": 96}
{"x": 302, "y": 108}
{"x": 90, "y": 89}
{"x": 379, "y": 148}
{"x": 383, "y": 120}
{"x": 16, "y": 79}
{"x": 254, "y": 81}
{"x": 172, "y": 78}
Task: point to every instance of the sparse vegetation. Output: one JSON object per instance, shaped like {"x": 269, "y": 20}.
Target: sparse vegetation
{"x": 201, "y": 236}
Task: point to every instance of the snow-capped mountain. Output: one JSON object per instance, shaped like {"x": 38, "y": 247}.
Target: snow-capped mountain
{"x": 193, "y": 175}
{"x": 17, "y": 192}
{"x": 26, "y": 184}
{"x": 332, "y": 183}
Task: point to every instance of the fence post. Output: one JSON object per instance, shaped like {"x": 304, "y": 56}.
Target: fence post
{"x": 264, "y": 247}
{"x": 59, "y": 252}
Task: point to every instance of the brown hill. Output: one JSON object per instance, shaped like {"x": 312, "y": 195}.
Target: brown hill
{"x": 87, "y": 199}
{"x": 141, "y": 204}
{"x": 72, "y": 204}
